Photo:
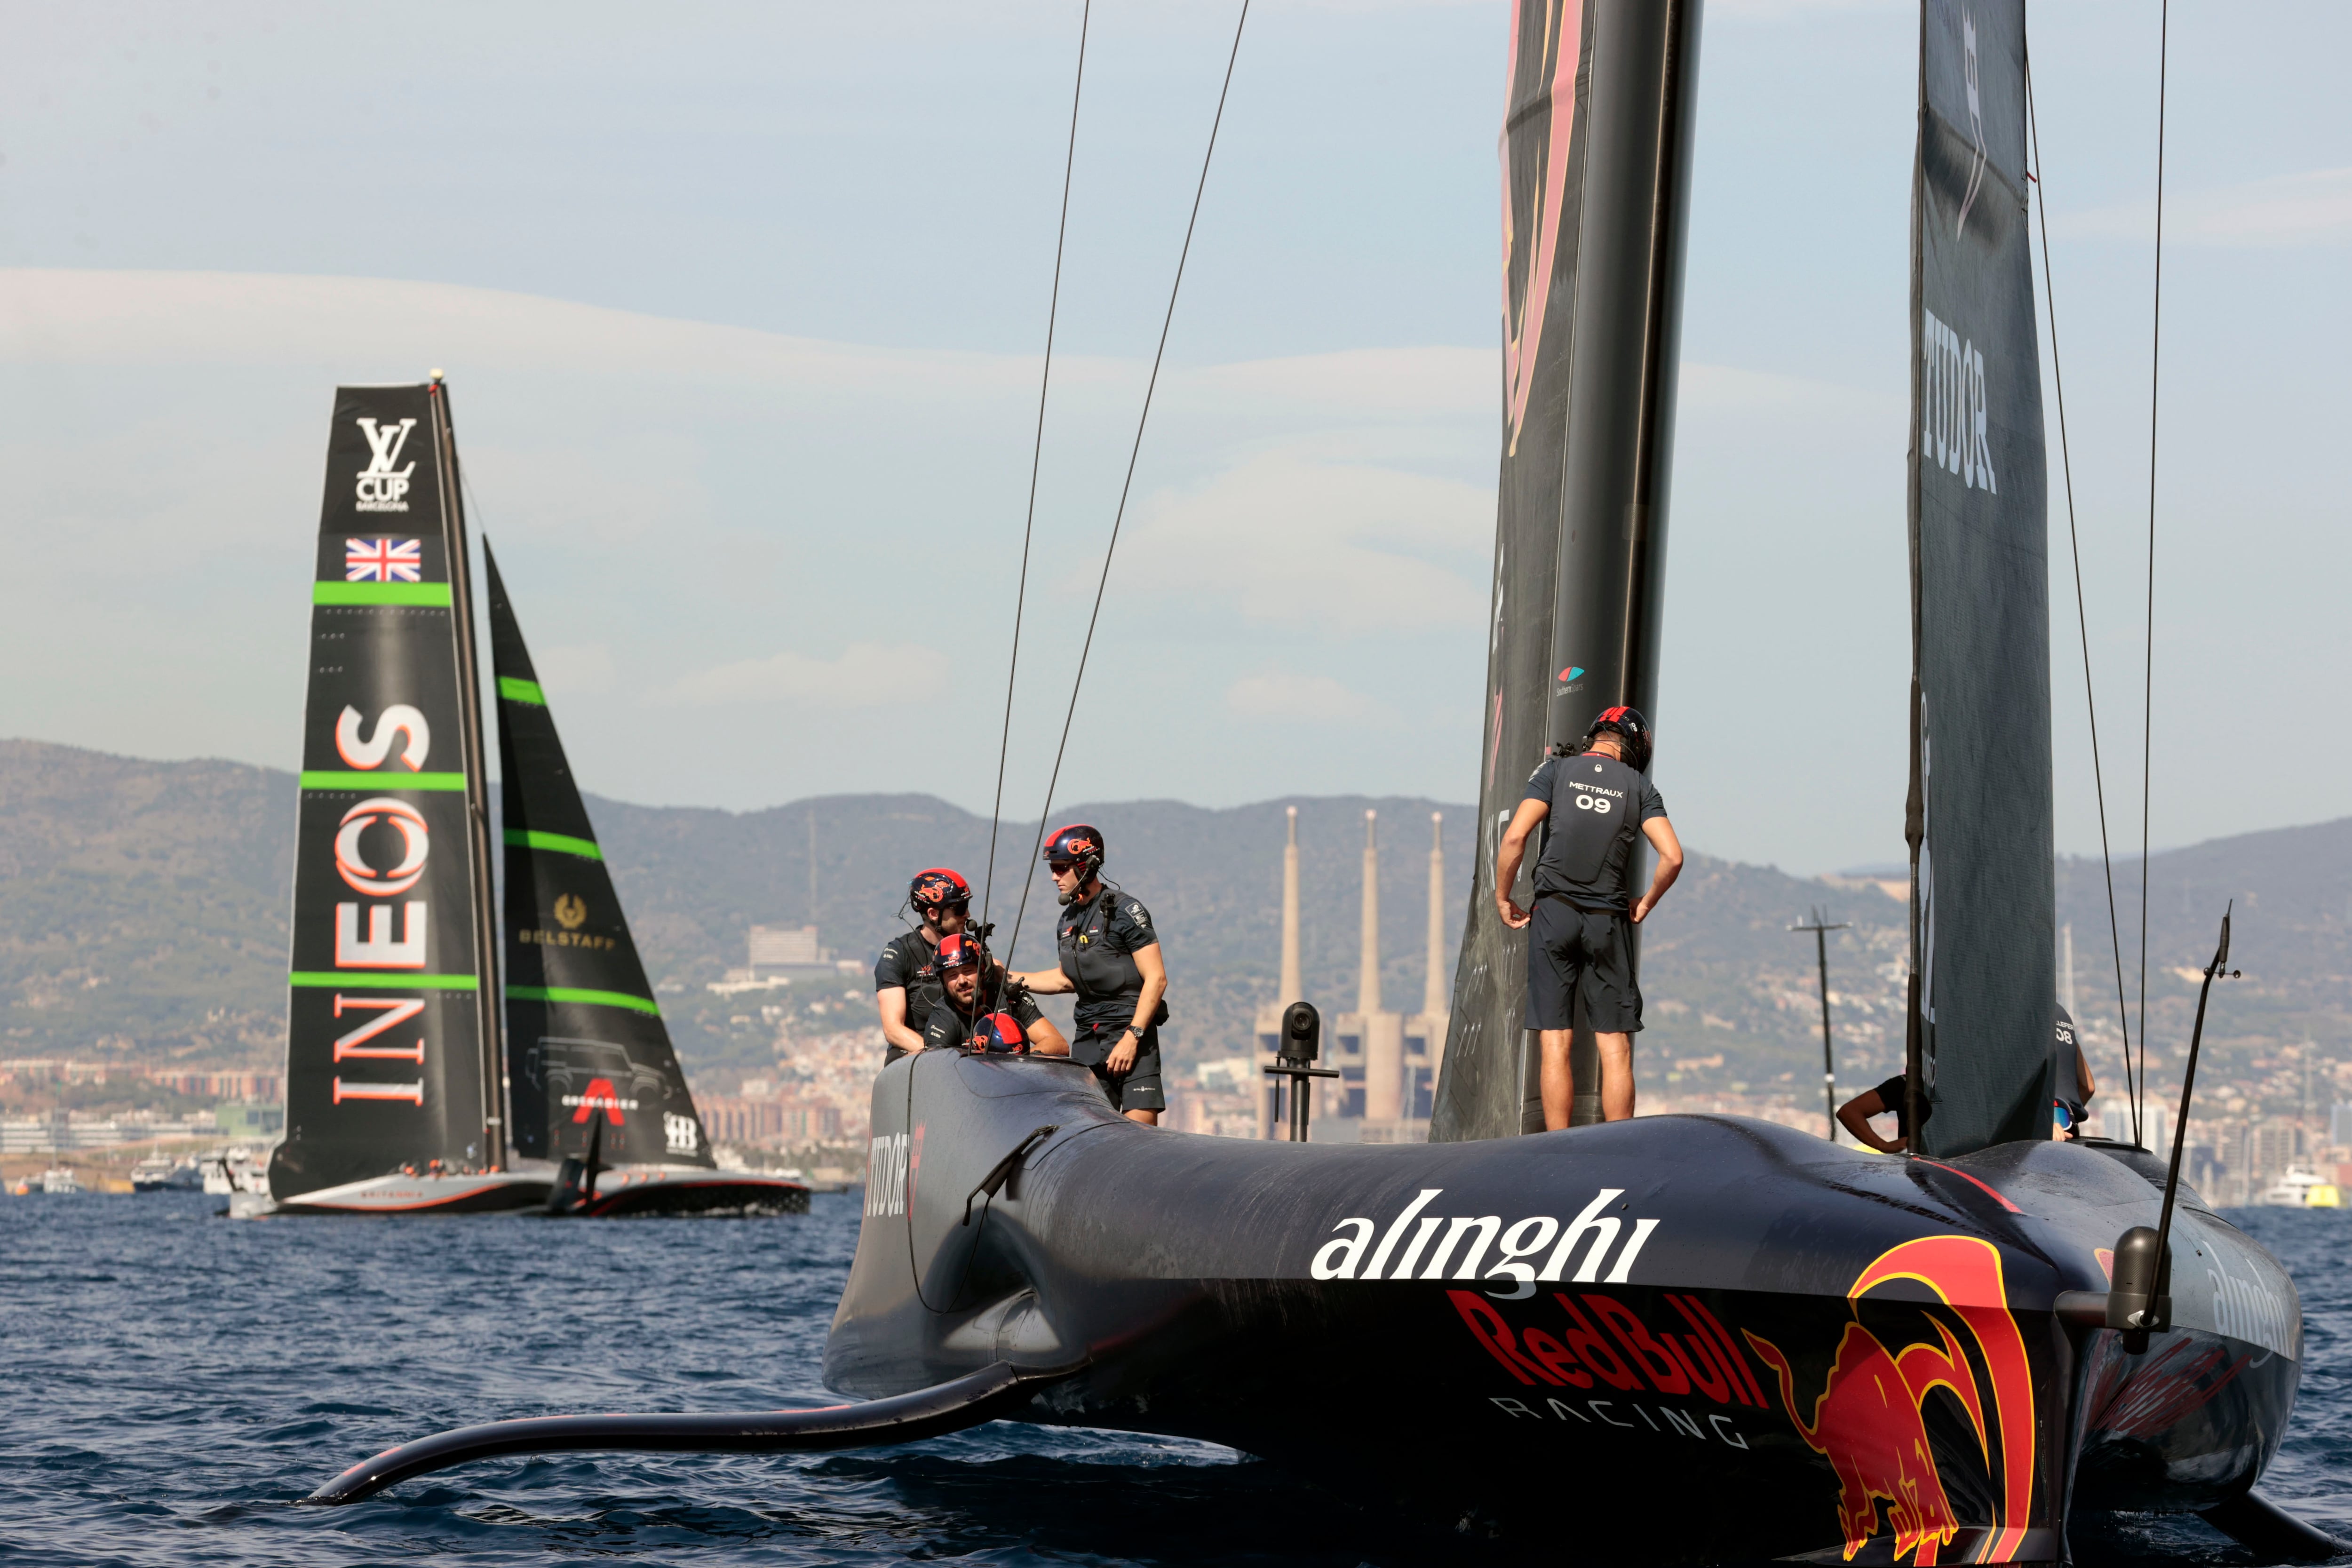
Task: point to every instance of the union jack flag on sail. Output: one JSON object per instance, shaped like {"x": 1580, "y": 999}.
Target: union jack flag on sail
{"x": 383, "y": 560}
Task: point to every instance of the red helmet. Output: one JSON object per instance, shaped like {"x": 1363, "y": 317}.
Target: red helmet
{"x": 936, "y": 889}
{"x": 1079, "y": 844}
{"x": 1000, "y": 1032}
{"x": 958, "y": 951}
{"x": 1632, "y": 733}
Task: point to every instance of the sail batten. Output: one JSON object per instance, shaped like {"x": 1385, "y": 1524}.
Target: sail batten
{"x": 1979, "y": 814}
{"x": 587, "y": 1051}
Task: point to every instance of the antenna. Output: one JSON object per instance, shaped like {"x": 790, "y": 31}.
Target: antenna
{"x": 1821, "y": 928}
{"x": 2140, "y": 1302}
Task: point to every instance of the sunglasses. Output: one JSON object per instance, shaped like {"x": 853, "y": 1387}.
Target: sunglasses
{"x": 1061, "y": 867}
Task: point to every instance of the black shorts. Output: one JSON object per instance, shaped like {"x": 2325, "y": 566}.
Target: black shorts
{"x": 1137, "y": 1090}
{"x": 1578, "y": 954}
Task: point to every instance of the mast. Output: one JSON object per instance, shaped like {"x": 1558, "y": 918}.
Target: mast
{"x": 1596, "y": 161}
{"x": 490, "y": 1055}
{"x": 1984, "y": 919}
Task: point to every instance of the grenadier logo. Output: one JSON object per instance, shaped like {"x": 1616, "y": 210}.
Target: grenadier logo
{"x": 381, "y": 486}
{"x": 602, "y": 1096}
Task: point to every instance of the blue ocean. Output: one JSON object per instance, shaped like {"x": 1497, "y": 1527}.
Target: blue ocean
{"x": 173, "y": 1383}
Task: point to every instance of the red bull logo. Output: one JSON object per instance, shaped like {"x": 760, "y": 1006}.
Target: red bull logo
{"x": 1869, "y": 1419}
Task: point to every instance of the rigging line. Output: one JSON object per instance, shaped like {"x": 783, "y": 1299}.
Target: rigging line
{"x": 2147, "y": 689}
{"x": 1036, "y": 456}
{"x": 1120, "y": 516}
{"x": 2081, "y": 616}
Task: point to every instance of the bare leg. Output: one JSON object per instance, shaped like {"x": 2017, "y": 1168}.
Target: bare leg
{"x": 1149, "y": 1118}
{"x": 1616, "y": 1076}
{"x": 1559, "y": 1082}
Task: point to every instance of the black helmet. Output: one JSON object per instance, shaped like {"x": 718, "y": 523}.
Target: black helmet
{"x": 1632, "y": 733}
{"x": 938, "y": 889}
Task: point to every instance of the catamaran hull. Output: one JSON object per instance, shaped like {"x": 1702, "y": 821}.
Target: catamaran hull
{"x": 490, "y": 1192}
{"x": 630, "y": 1193}
{"x": 1683, "y": 1338}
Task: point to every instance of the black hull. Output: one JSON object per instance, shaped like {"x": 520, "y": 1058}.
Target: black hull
{"x": 714, "y": 1192}
{"x": 1711, "y": 1352}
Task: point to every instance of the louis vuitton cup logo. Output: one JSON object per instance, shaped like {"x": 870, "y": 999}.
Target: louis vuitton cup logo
{"x": 382, "y": 487}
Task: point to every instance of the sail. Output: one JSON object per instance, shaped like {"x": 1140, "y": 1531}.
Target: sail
{"x": 1596, "y": 157}
{"x": 585, "y": 1044}
{"x": 390, "y": 1058}
{"x": 1980, "y": 822}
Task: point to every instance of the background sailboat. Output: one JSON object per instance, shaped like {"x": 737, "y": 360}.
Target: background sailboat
{"x": 393, "y": 1090}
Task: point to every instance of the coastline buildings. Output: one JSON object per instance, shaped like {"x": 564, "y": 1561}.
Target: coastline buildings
{"x": 1387, "y": 1061}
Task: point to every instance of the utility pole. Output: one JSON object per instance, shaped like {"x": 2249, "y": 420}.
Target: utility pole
{"x": 1821, "y": 928}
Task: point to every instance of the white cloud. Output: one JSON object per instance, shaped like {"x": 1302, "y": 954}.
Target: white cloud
{"x": 584, "y": 670}
{"x": 1303, "y": 699}
{"x": 2310, "y": 208}
{"x": 1412, "y": 381}
{"x": 1351, "y": 551}
{"x": 866, "y": 673}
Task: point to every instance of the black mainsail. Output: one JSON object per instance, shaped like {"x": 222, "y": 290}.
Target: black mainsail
{"x": 392, "y": 1040}
{"x": 585, "y": 1044}
{"x": 1978, "y": 818}
{"x": 1596, "y": 159}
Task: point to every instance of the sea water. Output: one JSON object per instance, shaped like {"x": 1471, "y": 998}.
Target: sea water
{"x": 171, "y": 1383}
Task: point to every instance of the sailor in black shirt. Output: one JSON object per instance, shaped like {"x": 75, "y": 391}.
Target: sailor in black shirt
{"x": 1886, "y": 1099}
{"x": 906, "y": 987}
{"x": 2071, "y": 1083}
{"x": 1593, "y": 807}
{"x": 1110, "y": 958}
{"x": 991, "y": 1016}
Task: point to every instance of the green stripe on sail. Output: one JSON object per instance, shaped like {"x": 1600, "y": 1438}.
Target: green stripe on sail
{"x": 385, "y": 780}
{"x": 428, "y": 593}
{"x": 394, "y": 981}
{"x": 590, "y": 998}
{"x": 515, "y": 690}
{"x": 563, "y": 843}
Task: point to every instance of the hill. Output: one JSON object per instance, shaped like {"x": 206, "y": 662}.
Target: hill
{"x": 143, "y": 919}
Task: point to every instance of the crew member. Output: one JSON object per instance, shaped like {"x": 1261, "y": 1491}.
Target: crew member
{"x": 1855, "y": 1115}
{"x": 905, "y": 988}
{"x": 1110, "y": 958}
{"x": 964, "y": 1016}
{"x": 2070, "y": 1076}
{"x": 1597, "y": 803}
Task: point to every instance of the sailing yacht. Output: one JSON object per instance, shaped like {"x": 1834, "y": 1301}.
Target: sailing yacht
{"x": 403, "y": 1094}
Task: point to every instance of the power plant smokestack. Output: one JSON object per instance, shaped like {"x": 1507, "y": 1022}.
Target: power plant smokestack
{"x": 1433, "y": 985}
{"x": 1368, "y": 991}
{"x": 1293, "y": 988}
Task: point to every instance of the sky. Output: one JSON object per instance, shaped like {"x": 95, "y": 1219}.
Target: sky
{"x": 742, "y": 310}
